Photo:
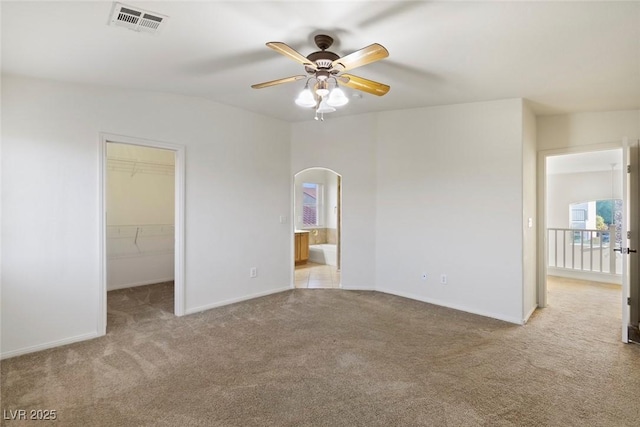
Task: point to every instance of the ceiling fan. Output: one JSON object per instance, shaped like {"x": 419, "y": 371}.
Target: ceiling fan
{"x": 324, "y": 67}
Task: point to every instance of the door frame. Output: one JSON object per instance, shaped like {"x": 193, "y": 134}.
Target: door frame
{"x": 542, "y": 206}
{"x": 630, "y": 280}
{"x": 338, "y": 222}
{"x": 179, "y": 207}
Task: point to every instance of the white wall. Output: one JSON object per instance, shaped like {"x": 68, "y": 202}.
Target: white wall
{"x": 579, "y": 129}
{"x": 140, "y": 193}
{"x": 332, "y": 200}
{"x": 425, "y": 188}
{"x": 529, "y": 210}
{"x": 347, "y": 146}
{"x": 236, "y": 165}
{"x": 450, "y": 200}
{"x": 565, "y": 189}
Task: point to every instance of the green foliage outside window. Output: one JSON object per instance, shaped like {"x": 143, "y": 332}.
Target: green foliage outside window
{"x": 605, "y": 209}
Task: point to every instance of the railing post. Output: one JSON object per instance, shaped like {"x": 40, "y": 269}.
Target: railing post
{"x": 591, "y": 250}
{"x": 572, "y": 233}
{"x": 582, "y": 250}
{"x": 564, "y": 248}
{"x": 601, "y": 234}
{"x": 555, "y": 241}
{"x": 612, "y": 246}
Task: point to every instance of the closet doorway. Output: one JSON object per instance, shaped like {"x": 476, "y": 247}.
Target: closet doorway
{"x": 142, "y": 230}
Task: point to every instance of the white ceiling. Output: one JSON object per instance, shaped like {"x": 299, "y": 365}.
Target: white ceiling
{"x": 563, "y": 56}
{"x": 593, "y": 161}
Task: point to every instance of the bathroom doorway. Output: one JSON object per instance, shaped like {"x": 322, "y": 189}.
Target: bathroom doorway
{"x": 317, "y": 228}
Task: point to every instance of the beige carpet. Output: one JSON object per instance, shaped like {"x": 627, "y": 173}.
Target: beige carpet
{"x": 316, "y": 357}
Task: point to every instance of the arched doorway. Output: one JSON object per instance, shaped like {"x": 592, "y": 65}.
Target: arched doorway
{"x": 317, "y": 228}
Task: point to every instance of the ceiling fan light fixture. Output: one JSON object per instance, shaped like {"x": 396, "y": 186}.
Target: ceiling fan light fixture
{"x": 305, "y": 98}
{"x": 337, "y": 98}
{"x": 325, "y": 108}
{"x": 323, "y": 66}
{"x": 322, "y": 89}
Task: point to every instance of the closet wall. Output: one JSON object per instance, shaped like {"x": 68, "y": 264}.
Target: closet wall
{"x": 140, "y": 215}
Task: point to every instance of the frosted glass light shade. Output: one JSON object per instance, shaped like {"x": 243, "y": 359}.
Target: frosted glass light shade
{"x": 337, "y": 98}
{"x": 305, "y": 99}
{"x": 325, "y": 108}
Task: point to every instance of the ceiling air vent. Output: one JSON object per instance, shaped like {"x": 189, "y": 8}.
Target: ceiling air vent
{"x": 137, "y": 19}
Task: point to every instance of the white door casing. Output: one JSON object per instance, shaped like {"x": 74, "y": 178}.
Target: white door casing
{"x": 542, "y": 215}
{"x": 629, "y": 229}
{"x": 179, "y": 273}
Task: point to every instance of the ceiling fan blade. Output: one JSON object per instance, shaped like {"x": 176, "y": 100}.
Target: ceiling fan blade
{"x": 364, "y": 56}
{"x": 290, "y": 52}
{"x": 365, "y": 85}
{"x": 279, "y": 81}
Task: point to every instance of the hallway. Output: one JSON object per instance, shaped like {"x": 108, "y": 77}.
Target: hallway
{"x": 591, "y": 310}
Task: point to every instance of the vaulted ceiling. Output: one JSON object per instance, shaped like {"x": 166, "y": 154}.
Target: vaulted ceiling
{"x": 563, "y": 56}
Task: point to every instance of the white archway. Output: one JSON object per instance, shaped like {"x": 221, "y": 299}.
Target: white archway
{"x": 317, "y": 218}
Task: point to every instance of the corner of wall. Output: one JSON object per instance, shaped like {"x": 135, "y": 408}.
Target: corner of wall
{"x": 529, "y": 211}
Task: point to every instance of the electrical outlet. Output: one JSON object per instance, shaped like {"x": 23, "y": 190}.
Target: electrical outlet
{"x": 424, "y": 276}
{"x": 253, "y": 272}
{"x": 443, "y": 279}
{"x": 283, "y": 219}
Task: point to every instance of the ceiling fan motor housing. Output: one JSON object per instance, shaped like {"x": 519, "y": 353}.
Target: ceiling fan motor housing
{"x": 322, "y": 58}
{"x": 323, "y": 41}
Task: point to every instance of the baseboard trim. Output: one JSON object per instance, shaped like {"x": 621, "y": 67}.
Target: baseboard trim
{"x": 458, "y": 307}
{"x": 356, "y": 288}
{"x": 590, "y": 276}
{"x": 48, "y": 345}
{"x": 133, "y": 285}
{"x": 234, "y": 300}
{"x": 526, "y": 318}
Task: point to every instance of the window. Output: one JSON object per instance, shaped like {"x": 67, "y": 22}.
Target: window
{"x": 312, "y": 200}
{"x": 597, "y": 215}
{"x": 579, "y": 215}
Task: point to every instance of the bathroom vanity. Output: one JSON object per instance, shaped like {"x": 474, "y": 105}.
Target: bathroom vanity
{"x": 302, "y": 247}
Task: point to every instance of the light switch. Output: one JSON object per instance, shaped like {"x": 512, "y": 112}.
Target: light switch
{"x": 530, "y": 222}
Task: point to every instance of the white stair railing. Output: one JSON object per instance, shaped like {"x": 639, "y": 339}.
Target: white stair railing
{"x": 584, "y": 250}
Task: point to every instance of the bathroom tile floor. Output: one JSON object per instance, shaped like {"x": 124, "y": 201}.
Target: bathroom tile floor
{"x": 320, "y": 276}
